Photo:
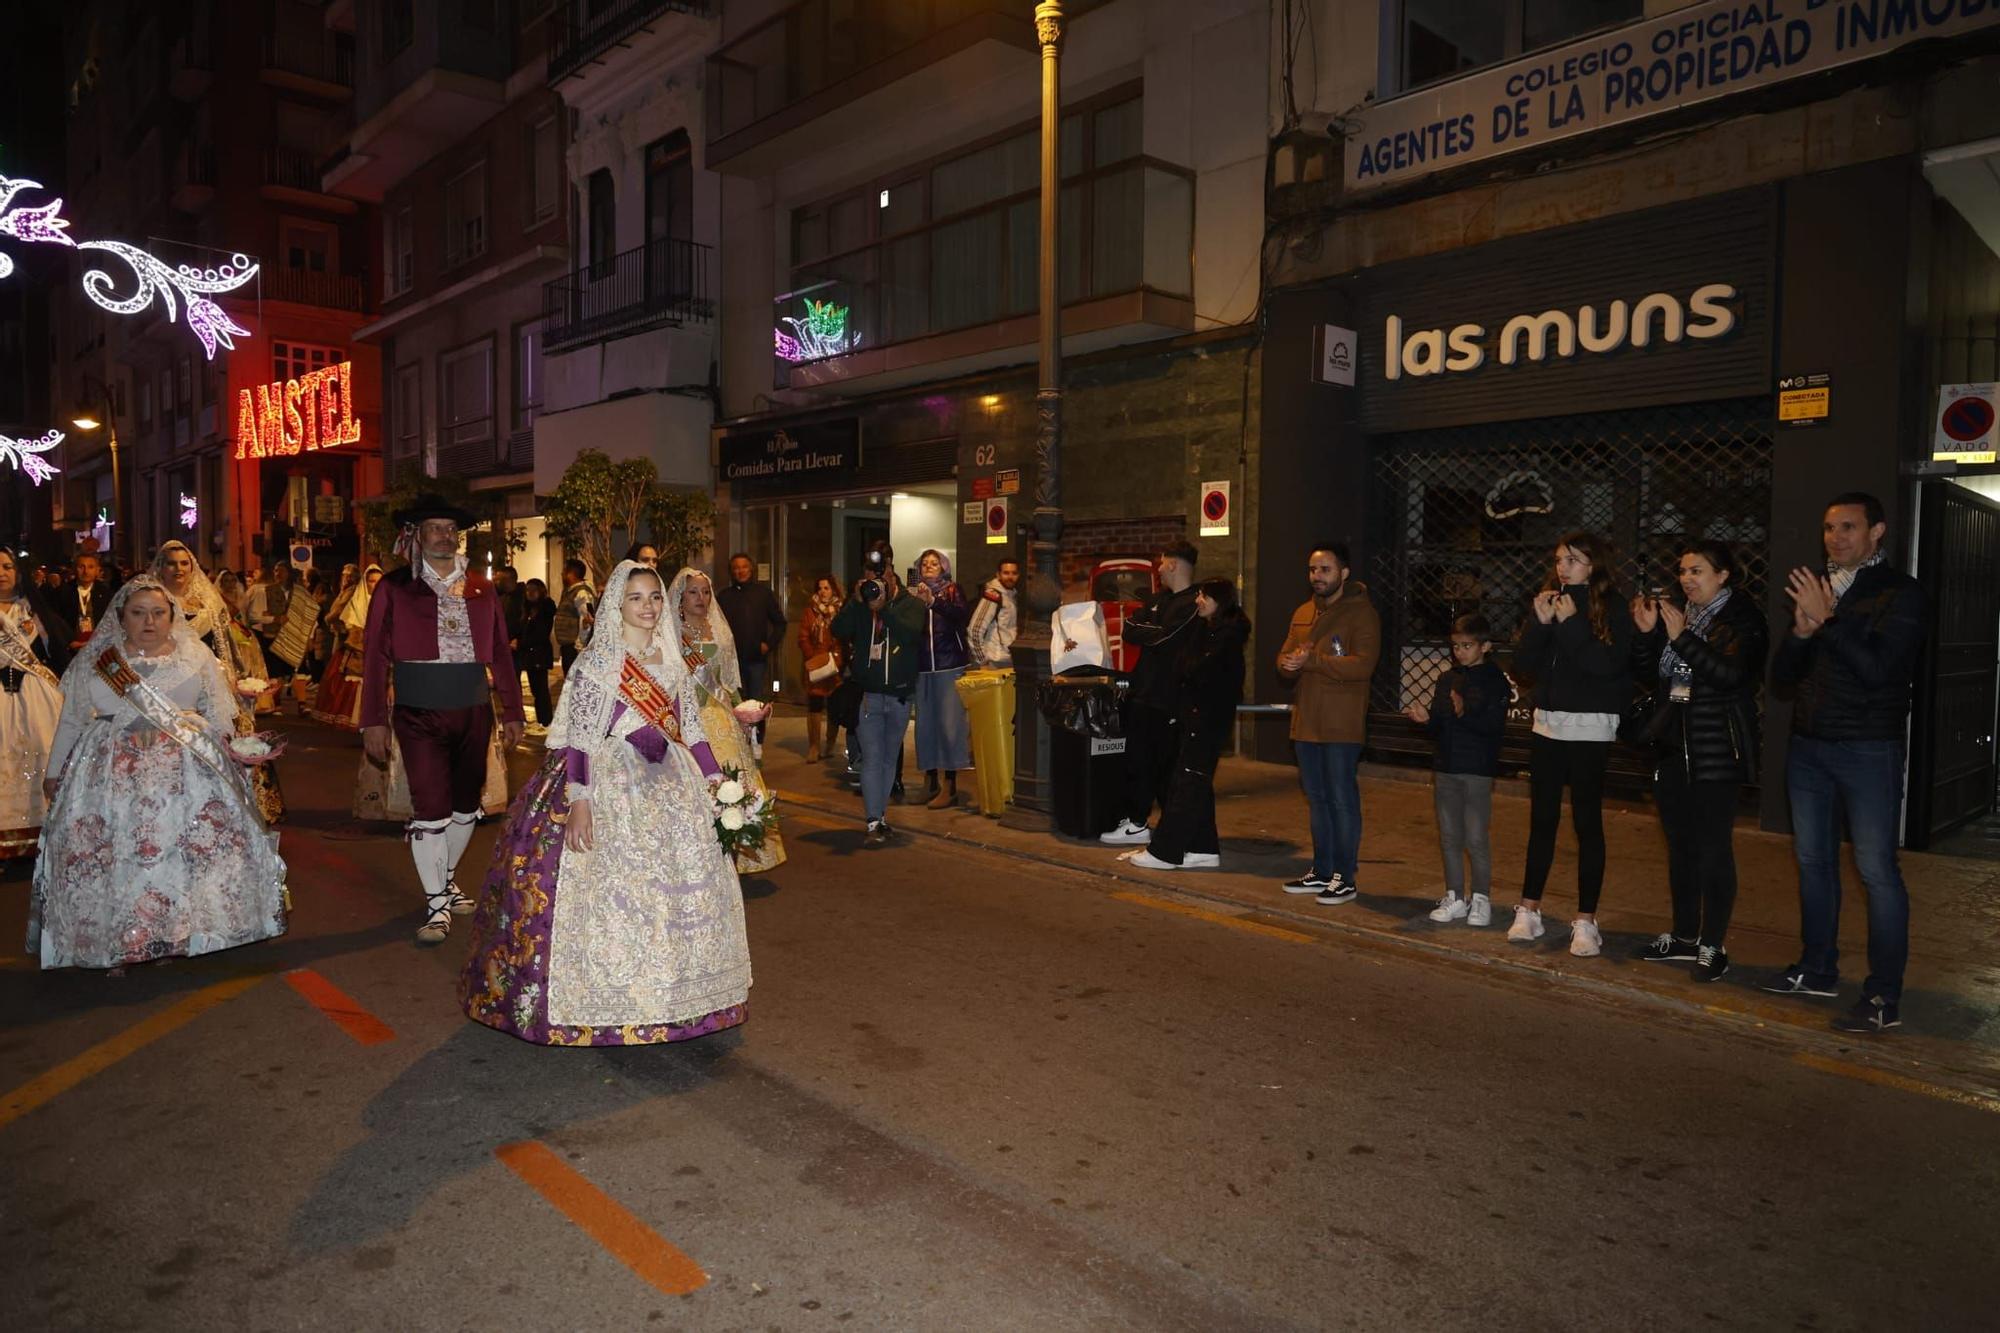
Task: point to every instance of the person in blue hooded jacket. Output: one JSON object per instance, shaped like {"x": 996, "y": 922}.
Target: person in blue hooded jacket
{"x": 944, "y": 739}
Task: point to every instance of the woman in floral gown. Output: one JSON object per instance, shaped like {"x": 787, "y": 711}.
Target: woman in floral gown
{"x": 153, "y": 846}
{"x": 34, "y": 647}
{"x": 611, "y": 915}
{"x": 205, "y": 616}
{"x": 710, "y": 651}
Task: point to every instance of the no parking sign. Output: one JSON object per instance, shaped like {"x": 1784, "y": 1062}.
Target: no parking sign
{"x": 1215, "y": 509}
{"x": 1968, "y": 424}
{"x": 996, "y": 521}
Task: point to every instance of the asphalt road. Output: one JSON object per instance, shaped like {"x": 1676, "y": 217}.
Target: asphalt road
{"x": 973, "y": 1093}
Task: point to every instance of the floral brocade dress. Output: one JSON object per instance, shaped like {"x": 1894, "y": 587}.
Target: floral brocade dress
{"x": 639, "y": 940}
{"x": 730, "y": 740}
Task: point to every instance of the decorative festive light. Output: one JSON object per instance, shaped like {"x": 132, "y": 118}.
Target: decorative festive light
{"x": 42, "y": 225}
{"x": 190, "y": 511}
{"x": 154, "y": 278}
{"x": 26, "y": 455}
{"x": 315, "y": 411}
{"x": 822, "y": 333}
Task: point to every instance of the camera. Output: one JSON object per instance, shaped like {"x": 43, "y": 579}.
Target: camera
{"x": 868, "y": 590}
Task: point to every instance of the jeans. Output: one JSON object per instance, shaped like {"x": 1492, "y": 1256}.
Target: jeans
{"x": 1333, "y": 795}
{"x": 1578, "y": 765}
{"x": 1864, "y": 781}
{"x": 1464, "y": 805}
{"x": 884, "y": 718}
{"x": 1699, "y": 821}
{"x": 756, "y": 680}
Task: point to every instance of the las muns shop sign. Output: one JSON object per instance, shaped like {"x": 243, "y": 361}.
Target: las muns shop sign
{"x": 1629, "y": 73}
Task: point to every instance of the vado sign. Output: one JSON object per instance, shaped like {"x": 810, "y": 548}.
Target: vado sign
{"x": 314, "y": 411}
{"x": 1655, "y": 317}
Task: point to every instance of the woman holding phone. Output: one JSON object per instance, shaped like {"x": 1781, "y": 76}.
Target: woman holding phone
{"x": 1577, "y": 646}
{"x": 1705, "y": 663}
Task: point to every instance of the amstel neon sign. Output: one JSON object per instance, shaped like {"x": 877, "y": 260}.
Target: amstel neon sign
{"x": 314, "y": 411}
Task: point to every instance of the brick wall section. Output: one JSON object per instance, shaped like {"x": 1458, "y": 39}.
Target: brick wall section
{"x": 1085, "y": 543}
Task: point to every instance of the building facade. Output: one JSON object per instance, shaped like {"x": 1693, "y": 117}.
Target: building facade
{"x": 879, "y": 185}
{"x": 454, "y": 151}
{"x": 1655, "y": 270}
{"x": 194, "y": 131}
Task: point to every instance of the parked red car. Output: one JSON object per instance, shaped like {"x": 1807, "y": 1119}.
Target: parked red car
{"x": 1120, "y": 585}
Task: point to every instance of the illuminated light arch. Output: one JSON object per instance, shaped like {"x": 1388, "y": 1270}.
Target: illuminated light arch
{"x": 26, "y": 455}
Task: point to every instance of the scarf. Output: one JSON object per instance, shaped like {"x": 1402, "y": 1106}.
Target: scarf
{"x": 1843, "y": 579}
{"x": 1698, "y": 620}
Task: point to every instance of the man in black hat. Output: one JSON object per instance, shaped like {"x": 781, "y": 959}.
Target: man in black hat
{"x": 439, "y": 628}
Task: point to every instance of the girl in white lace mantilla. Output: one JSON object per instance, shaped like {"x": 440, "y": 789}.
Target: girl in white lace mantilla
{"x": 153, "y": 846}
{"x": 33, "y": 647}
{"x": 611, "y": 915}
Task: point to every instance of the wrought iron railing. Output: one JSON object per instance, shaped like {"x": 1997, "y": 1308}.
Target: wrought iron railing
{"x": 582, "y": 30}
{"x": 293, "y": 168}
{"x": 327, "y": 57}
{"x": 662, "y": 282}
{"x": 329, "y": 291}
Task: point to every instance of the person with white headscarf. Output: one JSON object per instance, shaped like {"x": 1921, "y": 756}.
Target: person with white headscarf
{"x": 153, "y": 846}
{"x": 338, "y": 700}
{"x": 34, "y": 646}
{"x": 709, "y": 649}
{"x": 205, "y": 616}
{"x": 611, "y": 916}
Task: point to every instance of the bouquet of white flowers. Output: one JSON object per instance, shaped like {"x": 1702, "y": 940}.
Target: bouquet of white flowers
{"x": 743, "y": 816}
{"x": 257, "y": 747}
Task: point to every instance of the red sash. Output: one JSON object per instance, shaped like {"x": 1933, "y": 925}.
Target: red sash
{"x": 654, "y": 704}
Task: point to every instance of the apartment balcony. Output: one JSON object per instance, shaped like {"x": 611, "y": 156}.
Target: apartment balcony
{"x": 960, "y": 295}
{"x": 191, "y": 64}
{"x": 316, "y": 64}
{"x": 595, "y": 40}
{"x": 665, "y": 283}
{"x": 327, "y": 291}
{"x": 193, "y": 182}
{"x": 292, "y": 176}
{"x": 825, "y": 71}
{"x": 444, "y": 81}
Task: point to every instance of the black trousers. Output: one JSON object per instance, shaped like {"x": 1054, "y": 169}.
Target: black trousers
{"x": 1187, "y": 814}
{"x": 1578, "y": 765}
{"x": 538, "y": 687}
{"x": 1699, "y": 820}
{"x": 1152, "y": 742}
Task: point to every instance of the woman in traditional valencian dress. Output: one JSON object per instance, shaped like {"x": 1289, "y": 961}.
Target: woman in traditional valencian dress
{"x": 611, "y": 915}
{"x": 710, "y": 652}
{"x": 34, "y": 648}
{"x": 153, "y": 846}
{"x": 205, "y": 616}
{"x": 338, "y": 701}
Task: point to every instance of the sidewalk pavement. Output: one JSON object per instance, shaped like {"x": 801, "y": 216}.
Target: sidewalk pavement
{"x": 1949, "y": 1044}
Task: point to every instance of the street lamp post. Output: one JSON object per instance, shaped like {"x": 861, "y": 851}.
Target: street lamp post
{"x": 109, "y": 423}
{"x": 1043, "y": 593}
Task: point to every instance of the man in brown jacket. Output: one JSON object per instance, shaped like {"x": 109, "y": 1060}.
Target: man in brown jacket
{"x": 1330, "y": 650}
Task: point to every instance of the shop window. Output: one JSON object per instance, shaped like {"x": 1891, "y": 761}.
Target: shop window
{"x": 545, "y": 172}
{"x": 406, "y": 412}
{"x": 1438, "y": 39}
{"x": 465, "y": 395}
{"x": 398, "y": 251}
{"x": 465, "y": 216}
{"x": 527, "y": 373}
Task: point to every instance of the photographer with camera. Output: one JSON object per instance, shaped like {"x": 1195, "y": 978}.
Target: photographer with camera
{"x": 881, "y": 625}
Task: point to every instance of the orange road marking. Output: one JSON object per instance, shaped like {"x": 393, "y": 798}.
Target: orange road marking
{"x": 1882, "y": 1078}
{"x": 629, "y": 1240}
{"x": 53, "y": 1083}
{"x": 1217, "y": 918}
{"x": 337, "y": 1005}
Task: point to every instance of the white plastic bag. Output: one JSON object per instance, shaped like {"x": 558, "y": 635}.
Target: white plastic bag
{"x": 1083, "y": 624}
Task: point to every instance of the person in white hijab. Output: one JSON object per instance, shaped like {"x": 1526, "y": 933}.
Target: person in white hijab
{"x": 153, "y": 847}
{"x": 611, "y": 916}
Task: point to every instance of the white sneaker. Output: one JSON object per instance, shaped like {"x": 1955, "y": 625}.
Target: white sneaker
{"x": 1449, "y": 908}
{"x": 1527, "y": 925}
{"x": 1201, "y": 860}
{"x": 1147, "y": 861}
{"x": 1585, "y": 941}
{"x": 1481, "y": 912}
{"x": 1127, "y": 834}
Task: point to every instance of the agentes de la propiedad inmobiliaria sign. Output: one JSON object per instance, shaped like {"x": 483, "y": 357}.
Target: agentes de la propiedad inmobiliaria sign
{"x": 1687, "y": 56}
{"x": 1655, "y": 317}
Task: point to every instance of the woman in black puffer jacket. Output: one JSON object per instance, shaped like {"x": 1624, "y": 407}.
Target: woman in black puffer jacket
{"x": 1705, "y": 663}
{"x": 1209, "y": 684}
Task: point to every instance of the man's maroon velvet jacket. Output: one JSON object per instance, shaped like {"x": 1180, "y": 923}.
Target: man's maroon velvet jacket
{"x": 403, "y": 627}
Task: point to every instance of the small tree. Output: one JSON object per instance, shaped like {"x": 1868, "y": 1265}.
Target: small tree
{"x": 596, "y": 499}
{"x": 681, "y": 524}
{"x": 378, "y": 523}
